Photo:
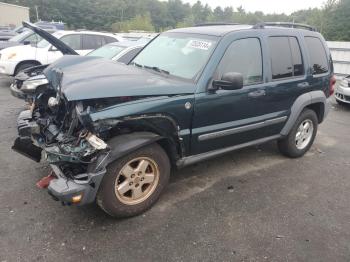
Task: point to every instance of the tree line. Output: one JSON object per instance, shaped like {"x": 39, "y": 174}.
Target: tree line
{"x": 332, "y": 19}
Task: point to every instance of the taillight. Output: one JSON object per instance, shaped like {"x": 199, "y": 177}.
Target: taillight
{"x": 332, "y": 82}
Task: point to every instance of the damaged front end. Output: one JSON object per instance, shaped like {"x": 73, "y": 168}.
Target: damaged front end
{"x": 53, "y": 129}
{"x": 86, "y": 113}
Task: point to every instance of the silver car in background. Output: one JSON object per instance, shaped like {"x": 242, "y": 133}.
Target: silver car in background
{"x": 342, "y": 91}
{"x": 122, "y": 52}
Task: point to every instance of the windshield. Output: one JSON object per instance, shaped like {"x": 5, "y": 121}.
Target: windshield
{"x": 107, "y": 51}
{"x": 181, "y": 55}
{"x": 20, "y": 37}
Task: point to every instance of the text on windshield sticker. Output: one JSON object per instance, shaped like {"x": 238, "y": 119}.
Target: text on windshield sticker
{"x": 199, "y": 44}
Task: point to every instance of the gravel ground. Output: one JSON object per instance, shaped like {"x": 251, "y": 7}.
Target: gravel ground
{"x": 250, "y": 205}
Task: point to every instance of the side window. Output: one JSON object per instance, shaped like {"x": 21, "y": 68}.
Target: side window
{"x": 72, "y": 41}
{"x": 281, "y": 60}
{"x": 91, "y": 42}
{"x": 34, "y": 38}
{"x": 244, "y": 56}
{"x": 298, "y": 65}
{"x": 318, "y": 56}
{"x": 126, "y": 58}
{"x": 109, "y": 39}
{"x": 286, "y": 58}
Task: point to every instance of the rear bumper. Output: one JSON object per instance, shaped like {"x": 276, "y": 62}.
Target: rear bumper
{"x": 342, "y": 94}
{"x": 64, "y": 189}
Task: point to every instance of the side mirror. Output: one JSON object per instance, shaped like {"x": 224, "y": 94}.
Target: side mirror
{"x": 229, "y": 81}
{"x": 53, "y": 49}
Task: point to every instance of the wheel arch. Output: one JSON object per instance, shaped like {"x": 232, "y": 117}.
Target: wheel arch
{"x": 314, "y": 100}
{"x": 140, "y": 130}
{"x": 319, "y": 109}
{"x": 124, "y": 144}
{"x": 36, "y": 62}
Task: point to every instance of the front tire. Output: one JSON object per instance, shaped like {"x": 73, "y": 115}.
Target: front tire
{"x": 302, "y": 135}
{"x": 133, "y": 183}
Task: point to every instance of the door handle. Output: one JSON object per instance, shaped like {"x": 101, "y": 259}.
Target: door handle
{"x": 303, "y": 85}
{"x": 256, "y": 94}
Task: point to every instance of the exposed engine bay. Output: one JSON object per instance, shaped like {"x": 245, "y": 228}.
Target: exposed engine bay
{"x": 80, "y": 122}
{"x": 67, "y": 135}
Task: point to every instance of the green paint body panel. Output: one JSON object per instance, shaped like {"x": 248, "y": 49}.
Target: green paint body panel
{"x": 208, "y": 112}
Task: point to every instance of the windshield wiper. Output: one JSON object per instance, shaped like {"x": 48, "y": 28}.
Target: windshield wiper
{"x": 154, "y": 68}
{"x": 136, "y": 64}
{"x": 157, "y": 69}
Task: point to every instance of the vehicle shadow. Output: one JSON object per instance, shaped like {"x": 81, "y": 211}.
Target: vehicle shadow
{"x": 5, "y": 81}
{"x": 196, "y": 178}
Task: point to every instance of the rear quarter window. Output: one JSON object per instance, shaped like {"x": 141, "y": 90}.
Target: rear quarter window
{"x": 318, "y": 55}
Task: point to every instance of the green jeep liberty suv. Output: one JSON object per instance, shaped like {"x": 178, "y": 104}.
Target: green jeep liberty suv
{"x": 112, "y": 132}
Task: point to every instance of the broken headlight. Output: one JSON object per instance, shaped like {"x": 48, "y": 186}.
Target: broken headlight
{"x": 53, "y": 102}
{"x": 32, "y": 83}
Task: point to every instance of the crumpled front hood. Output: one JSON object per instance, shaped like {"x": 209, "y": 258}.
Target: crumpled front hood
{"x": 93, "y": 77}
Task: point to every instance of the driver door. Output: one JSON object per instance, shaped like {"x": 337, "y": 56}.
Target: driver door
{"x": 224, "y": 118}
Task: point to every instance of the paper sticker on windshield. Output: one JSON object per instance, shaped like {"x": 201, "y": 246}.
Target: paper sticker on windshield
{"x": 203, "y": 45}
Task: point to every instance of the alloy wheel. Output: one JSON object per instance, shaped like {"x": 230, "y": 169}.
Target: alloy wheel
{"x": 304, "y": 134}
{"x": 137, "y": 180}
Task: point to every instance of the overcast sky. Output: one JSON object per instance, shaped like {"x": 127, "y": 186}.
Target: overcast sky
{"x": 266, "y": 6}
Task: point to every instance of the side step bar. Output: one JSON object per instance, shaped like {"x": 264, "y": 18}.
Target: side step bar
{"x": 197, "y": 158}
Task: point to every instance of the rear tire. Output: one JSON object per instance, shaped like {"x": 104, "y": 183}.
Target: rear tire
{"x": 301, "y": 136}
{"x": 24, "y": 66}
{"x": 133, "y": 183}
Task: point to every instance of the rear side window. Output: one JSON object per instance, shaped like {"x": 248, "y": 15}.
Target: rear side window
{"x": 286, "y": 58}
{"x": 244, "y": 56}
{"x": 318, "y": 57}
{"x": 297, "y": 59}
{"x": 91, "y": 42}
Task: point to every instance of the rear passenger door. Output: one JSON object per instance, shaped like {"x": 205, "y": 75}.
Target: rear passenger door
{"x": 319, "y": 63}
{"x": 287, "y": 77}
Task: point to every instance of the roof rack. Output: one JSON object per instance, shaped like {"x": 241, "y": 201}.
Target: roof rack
{"x": 284, "y": 24}
{"x": 216, "y": 23}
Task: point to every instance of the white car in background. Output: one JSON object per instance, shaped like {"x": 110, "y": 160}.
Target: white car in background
{"x": 17, "y": 58}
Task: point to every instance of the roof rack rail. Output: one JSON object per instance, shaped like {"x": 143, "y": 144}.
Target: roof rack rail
{"x": 216, "y": 23}
{"x": 284, "y": 24}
